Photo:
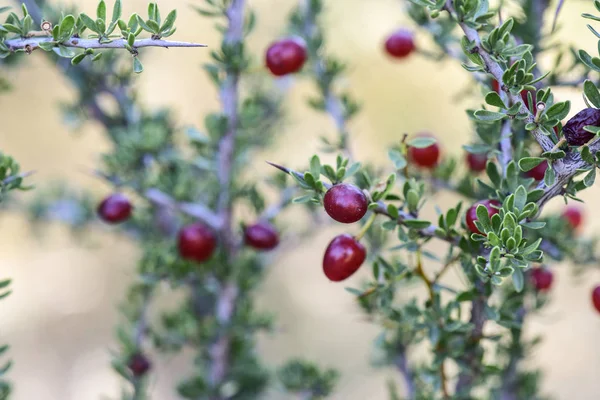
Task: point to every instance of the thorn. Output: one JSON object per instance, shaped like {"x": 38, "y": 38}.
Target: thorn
{"x": 279, "y": 167}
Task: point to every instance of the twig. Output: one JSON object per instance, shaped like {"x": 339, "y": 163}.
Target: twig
{"x": 196, "y": 210}
{"x": 401, "y": 363}
{"x": 219, "y": 350}
{"x": 505, "y": 145}
{"x": 31, "y": 44}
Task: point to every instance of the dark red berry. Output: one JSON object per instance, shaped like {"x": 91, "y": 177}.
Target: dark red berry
{"x": 343, "y": 257}
{"x": 596, "y": 297}
{"x": 573, "y": 129}
{"x": 261, "y": 235}
{"x": 538, "y": 172}
{"x": 196, "y": 242}
{"x": 115, "y": 208}
{"x": 525, "y": 98}
{"x": 574, "y": 216}
{"x": 541, "y": 278}
{"x": 476, "y": 162}
{"x": 426, "y": 157}
{"x": 286, "y": 56}
{"x": 400, "y": 43}
{"x": 138, "y": 365}
{"x": 492, "y": 208}
{"x": 345, "y": 203}
{"x": 495, "y": 86}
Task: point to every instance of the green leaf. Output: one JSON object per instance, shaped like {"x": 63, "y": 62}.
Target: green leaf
{"x": 78, "y": 58}
{"x": 66, "y": 27}
{"x": 117, "y": 10}
{"x": 397, "y": 158}
{"x": 169, "y": 21}
{"x": 137, "y": 65}
{"x": 101, "y": 10}
{"x": 421, "y": 142}
{"x": 485, "y": 115}
{"x": 591, "y": 92}
{"x": 520, "y": 198}
{"x": 494, "y": 99}
{"x": 589, "y": 179}
{"x": 483, "y": 217}
{"x": 534, "y": 224}
{"x": 518, "y": 279}
{"x": 89, "y": 23}
{"x": 416, "y": 223}
{"x": 529, "y": 163}
{"x": 559, "y": 110}
{"x": 549, "y": 176}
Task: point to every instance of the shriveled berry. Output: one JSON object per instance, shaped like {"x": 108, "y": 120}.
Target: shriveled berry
{"x": 541, "y": 278}
{"x": 345, "y": 203}
{"x": 400, "y": 43}
{"x": 476, "y": 162}
{"x": 115, "y": 208}
{"x": 492, "y": 208}
{"x": 261, "y": 236}
{"x": 573, "y": 129}
{"x": 286, "y": 56}
{"x": 574, "y": 216}
{"x": 538, "y": 172}
{"x": 426, "y": 157}
{"x": 138, "y": 364}
{"x": 343, "y": 257}
{"x": 596, "y": 298}
{"x": 196, "y": 242}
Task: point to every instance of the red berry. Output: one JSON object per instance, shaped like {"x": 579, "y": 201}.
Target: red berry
{"x": 525, "y": 98}
{"x": 261, "y": 236}
{"x": 286, "y": 56}
{"x": 574, "y": 216}
{"x": 538, "y": 172}
{"x": 476, "y": 162}
{"x": 495, "y": 86}
{"x": 596, "y": 297}
{"x": 426, "y": 157}
{"x": 541, "y": 278}
{"x": 115, "y": 208}
{"x": 400, "y": 43}
{"x": 138, "y": 365}
{"x": 345, "y": 203}
{"x": 343, "y": 257}
{"x": 472, "y": 213}
{"x": 196, "y": 242}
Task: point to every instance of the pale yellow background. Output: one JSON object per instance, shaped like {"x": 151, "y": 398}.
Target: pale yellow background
{"x": 60, "y": 318}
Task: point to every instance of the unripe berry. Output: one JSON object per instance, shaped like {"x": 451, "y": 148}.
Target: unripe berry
{"x": 596, "y": 298}
{"x": 574, "y": 216}
{"x": 286, "y": 56}
{"x": 492, "y": 208}
{"x": 573, "y": 129}
{"x": 345, "y": 203}
{"x": 541, "y": 278}
{"x": 115, "y": 208}
{"x": 426, "y": 157}
{"x": 476, "y": 162}
{"x": 261, "y": 236}
{"x": 196, "y": 242}
{"x": 538, "y": 172}
{"x": 138, "y": 365}
{"x": 343, "y": 257}
{"x": 400, "y": 43}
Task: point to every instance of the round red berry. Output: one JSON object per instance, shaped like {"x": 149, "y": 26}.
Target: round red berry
{"x": 261, "y": 236}
{"x": 138, "y": 364}
{"x": 400, "y": 43}
{"x": 286, "y": 56}
{"x": 541, "y": 278}
{"x": 343, "y": 257}
{"x": 574, "y": 216}
{"x": 345, "y": 203}
{"x": 596, "y": 297}
{"x": 476, "y": 162}
{"x": 115, "y": 208}
{"x": 492, "y": 208}
{"x": 196, "y": 242}
{"x": 425, "y": 157}
{"x": 538, "y": 172}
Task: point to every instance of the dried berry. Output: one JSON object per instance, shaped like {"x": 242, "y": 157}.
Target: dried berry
{"x": 573, "y": 129}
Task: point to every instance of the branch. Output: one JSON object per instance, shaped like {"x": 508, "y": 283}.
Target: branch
{"x": 505, "y": 145}
{"x": 219, "y": 350}
{"x": 33, "y": 43}
{"x": 409, "y": 379}
{"x": 496, "y": 71}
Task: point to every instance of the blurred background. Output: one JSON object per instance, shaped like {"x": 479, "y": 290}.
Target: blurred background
{"x": 60, "y": 318}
